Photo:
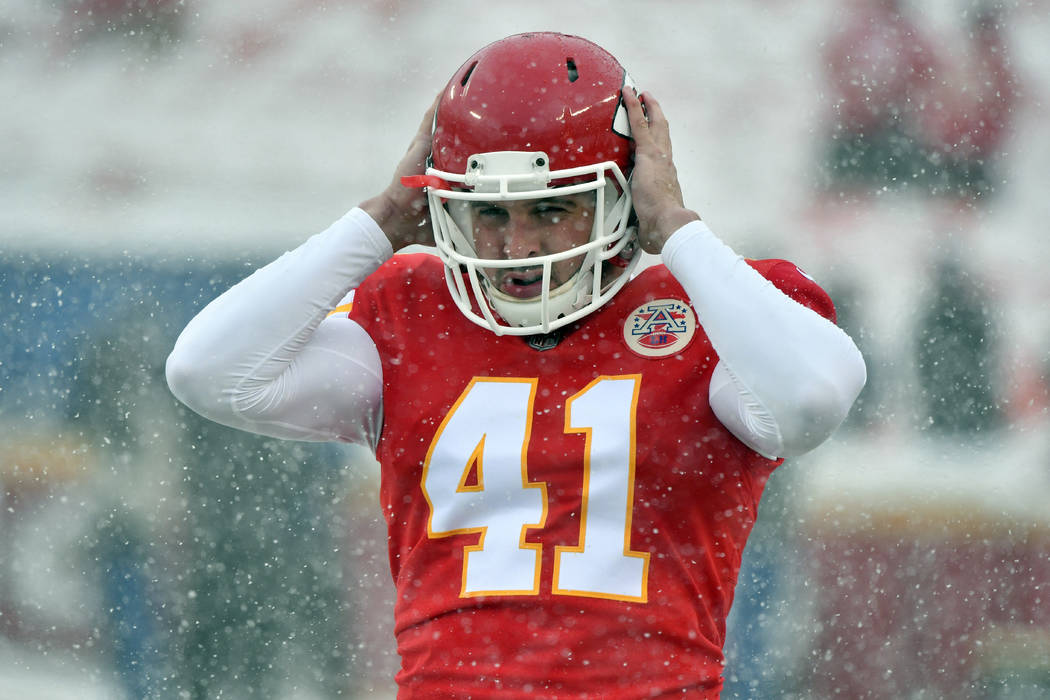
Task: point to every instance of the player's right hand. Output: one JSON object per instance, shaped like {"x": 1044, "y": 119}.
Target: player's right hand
{"x": 401, "y": 211}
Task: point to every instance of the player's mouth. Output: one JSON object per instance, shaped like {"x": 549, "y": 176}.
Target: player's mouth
{"x": 522, "y": 284}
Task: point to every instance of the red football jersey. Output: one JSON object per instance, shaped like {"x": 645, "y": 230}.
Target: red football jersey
{"x": 565, "y": 521}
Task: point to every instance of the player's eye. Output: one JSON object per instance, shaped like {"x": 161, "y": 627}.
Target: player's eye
{"x": 551, "y": 212}
{"x": 490, "y": 215}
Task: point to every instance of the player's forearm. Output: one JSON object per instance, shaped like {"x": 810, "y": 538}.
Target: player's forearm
{"x": 235, "y": 356}
{"x": 800, "y": 370}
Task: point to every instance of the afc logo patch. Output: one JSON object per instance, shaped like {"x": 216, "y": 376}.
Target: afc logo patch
{"x": 659, "y": 328}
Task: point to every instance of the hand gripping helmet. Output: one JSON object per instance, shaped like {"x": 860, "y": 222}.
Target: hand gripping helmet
{"x": 530, "y": 117}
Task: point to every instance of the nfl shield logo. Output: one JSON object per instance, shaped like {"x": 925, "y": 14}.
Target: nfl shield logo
{"x": 659, "y": 328}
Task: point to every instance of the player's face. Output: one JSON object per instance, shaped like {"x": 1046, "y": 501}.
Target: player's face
{"x": 530, "y": 228}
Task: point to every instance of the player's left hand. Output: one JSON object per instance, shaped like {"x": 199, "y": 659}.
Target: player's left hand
{"x": 655, "y": 190}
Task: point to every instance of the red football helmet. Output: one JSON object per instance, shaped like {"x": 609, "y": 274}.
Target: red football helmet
{"x": 529, "y": 117}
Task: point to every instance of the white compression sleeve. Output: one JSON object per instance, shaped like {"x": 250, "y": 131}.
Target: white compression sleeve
{"x": 786, "y": 376}
{"x": 261, "y": 357}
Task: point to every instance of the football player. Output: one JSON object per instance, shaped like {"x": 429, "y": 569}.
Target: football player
{"x": 572, "y": 450}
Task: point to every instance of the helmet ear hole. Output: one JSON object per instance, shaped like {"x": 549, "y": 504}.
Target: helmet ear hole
{"x": 574, "y": 74}
{"x": 466, "y": 76}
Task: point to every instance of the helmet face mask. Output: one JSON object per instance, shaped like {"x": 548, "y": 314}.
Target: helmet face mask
{"x": 474, "y": 278}
{"x": 531, "y": 122}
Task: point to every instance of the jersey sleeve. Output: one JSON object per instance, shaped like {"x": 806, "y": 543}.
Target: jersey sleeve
{"x": 795, "y": 283}
{"x": 267, "y": 356}
{"x": 786, "y": 375}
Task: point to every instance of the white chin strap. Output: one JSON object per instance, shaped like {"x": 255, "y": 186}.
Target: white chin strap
{"x": 515, "y": 176}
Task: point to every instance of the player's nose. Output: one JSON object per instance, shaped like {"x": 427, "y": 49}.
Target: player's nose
{"x": 522, "y": 240}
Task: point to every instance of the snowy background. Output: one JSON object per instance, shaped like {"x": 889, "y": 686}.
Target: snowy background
{"x": 152, "y": 152}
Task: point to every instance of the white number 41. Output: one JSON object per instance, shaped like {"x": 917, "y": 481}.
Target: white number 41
{"x": 475, "y": 480}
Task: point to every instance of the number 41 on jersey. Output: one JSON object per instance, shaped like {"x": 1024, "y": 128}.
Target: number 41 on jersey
{"x": 475, "y": 479}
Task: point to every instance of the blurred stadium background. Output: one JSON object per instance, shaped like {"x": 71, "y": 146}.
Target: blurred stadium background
{"x": 152, "y": 152}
